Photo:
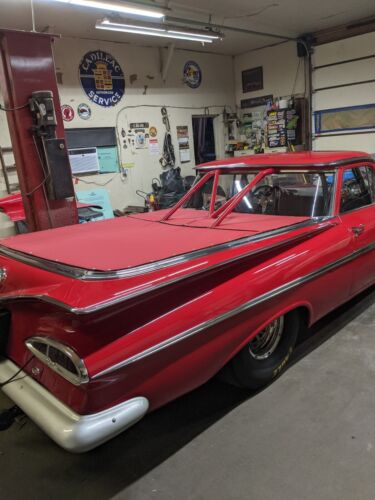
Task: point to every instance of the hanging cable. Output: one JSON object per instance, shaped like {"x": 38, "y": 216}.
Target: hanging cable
{"x": 2, "y": 108}
{"x": 79, "y": 179}
{"x": 14, "y": 378}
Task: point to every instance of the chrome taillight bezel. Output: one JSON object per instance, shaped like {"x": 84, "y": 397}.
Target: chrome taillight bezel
{"x": 78, "y": 378}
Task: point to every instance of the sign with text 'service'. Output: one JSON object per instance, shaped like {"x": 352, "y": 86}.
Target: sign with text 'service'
{"x": 102, "y": 78}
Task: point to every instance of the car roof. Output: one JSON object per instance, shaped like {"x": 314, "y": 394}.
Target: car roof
{"x": 300, "y": 160}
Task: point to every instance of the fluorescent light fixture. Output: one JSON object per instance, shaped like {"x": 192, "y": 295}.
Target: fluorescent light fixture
{"x": 160, "y": 30}
{"x": 213, "y": 36}
{"x": 123, "y": 7}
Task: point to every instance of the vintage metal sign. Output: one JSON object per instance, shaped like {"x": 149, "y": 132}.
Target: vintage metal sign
{"x": 102, "y": 78}
{"x": 67, "y": 112}
{"x": 84, "y": 111}
{"x": 192, "y": 74}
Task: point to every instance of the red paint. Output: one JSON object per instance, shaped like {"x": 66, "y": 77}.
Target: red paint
{"x": 12, "y": 206}
{"x": 225, "y": 280}
{"x": 323, "y": 159}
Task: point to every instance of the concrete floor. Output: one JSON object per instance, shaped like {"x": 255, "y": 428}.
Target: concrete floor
{"x": 310, "y": 435}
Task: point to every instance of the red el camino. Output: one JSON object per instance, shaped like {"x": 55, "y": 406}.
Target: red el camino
{"x": 104, "y": 322}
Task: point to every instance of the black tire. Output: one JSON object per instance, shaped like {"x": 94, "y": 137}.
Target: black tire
{"x": 247, "y": 370}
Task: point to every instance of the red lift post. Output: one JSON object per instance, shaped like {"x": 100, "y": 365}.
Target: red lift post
{"x": 27, "y": 66}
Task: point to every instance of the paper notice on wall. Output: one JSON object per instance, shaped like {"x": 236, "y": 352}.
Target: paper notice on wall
{"x": 100, "y": 198}
{"x": 183, "y": 143}
{"x": 184, "y": 155}
{"x": 153, "y": 146}
{"x": 141, "y": 139}
{"x": 138, "y": 134}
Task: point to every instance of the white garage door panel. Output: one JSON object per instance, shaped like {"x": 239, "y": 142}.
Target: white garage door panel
{"x": 345, "y": 96}
{"x": 365, "y": 142}
{"x": 350, "y": 48}
{"x": 341, "y": 97}
{"x": 345, "y": 73}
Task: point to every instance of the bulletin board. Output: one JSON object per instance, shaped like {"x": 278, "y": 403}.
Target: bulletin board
{"x": 348, "y": 118}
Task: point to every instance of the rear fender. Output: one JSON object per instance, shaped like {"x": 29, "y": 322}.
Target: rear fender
{"x": 303, "y": 305}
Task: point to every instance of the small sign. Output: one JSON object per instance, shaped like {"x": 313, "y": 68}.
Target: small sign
{"x": 153, "y": 147}
{"x": 84, "y": 111}
{"x": 153, "y": 131}
{"x": 254, "y": 102}
{"x": 192, "y": 74}
{"x": 67, "y": 112}
{"x": 139, "y": 125}
{"x": 102, "y": 78}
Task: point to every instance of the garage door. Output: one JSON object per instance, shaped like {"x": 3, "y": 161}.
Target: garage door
{"x": 344, "y": 94}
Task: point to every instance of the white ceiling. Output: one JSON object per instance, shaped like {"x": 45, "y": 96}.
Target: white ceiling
{"x": 289, "y": 18}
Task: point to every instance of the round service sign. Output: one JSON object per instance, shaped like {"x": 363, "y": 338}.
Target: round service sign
{"x": 84, "y": 111}
{"x": 102, "y": 78}
{"x": 192, "y": 74}
{"x": 67, "y": 112}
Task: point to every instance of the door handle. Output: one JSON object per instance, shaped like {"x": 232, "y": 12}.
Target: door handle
{"x": 358, "y": 230}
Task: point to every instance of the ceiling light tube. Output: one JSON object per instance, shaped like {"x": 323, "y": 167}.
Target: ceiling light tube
{"x": 123, "y": 7}
{"x": 212, "y": 36}
{"x": 107, "y": 22}
{"x": 107, "y": 25}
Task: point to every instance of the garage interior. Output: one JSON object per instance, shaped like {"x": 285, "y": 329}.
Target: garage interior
{"x": 192, "y": 82}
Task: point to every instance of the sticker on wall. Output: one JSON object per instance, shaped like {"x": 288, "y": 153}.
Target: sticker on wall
{"x": 192, "y": 74}
{"x": 153, "y": 131}
{"x": 84, "y": 111}
{"x": 67, "y": 112}
{"x": 102, "y": 78}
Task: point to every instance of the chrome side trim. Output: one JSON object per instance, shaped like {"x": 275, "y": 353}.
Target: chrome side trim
{"x": 332, "y": 164}
{"x": 87, "y": 274}
{"x": 102, "y": 305}
{"x": 73, "y": 432}
{"x": 80, "y": 378}
{"x": 233, "y": 312}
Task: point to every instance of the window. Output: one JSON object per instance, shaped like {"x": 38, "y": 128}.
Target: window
{"x": 358, "y": 188}
{"x": 290, "y": 193}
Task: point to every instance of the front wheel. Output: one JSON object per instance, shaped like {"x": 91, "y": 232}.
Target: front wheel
{"x": 267, "y": 354}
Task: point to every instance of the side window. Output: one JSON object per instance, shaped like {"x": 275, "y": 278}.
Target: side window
{"x": 358, "y": 188}
{"x": 368, "y": 174}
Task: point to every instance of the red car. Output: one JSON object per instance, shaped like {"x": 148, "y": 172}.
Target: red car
{"x": 104, "y": 322}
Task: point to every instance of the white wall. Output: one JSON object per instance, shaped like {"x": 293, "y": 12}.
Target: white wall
{"x": 350, "y": 48}
{"x": 280, "y": 64}
{"x": 215, "y": 92}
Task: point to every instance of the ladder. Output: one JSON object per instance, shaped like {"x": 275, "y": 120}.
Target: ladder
{"x": 7, "y": 168}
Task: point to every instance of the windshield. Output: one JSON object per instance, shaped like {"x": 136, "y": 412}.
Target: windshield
{"x": 291, "y": 193}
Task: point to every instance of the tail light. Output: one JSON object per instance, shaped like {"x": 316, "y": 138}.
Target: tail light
{"x": 60, "y": 358}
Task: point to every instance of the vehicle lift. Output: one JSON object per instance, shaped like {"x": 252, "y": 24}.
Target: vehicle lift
{"x": 31, "y": 102}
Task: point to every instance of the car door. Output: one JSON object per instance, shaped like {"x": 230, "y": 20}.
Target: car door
{"x": 357, "y": 212}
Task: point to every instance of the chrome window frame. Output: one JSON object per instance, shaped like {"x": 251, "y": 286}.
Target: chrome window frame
{"x": 349, "y": 167}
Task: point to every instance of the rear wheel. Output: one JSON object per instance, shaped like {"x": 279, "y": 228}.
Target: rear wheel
{"x": 266, "y": 355}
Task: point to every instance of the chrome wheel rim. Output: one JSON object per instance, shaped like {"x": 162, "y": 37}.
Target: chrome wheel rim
{"x": 266, "y": 342}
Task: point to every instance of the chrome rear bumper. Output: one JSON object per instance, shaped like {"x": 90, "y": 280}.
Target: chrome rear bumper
{"x": 73, "y": 432}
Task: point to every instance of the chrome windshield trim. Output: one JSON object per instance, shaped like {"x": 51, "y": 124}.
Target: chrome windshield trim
{"x": 93, "y": 275}
{"x": 332, "y": 164}
{"x": 233, "y": 312}
{"x": 102, "y": 305}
